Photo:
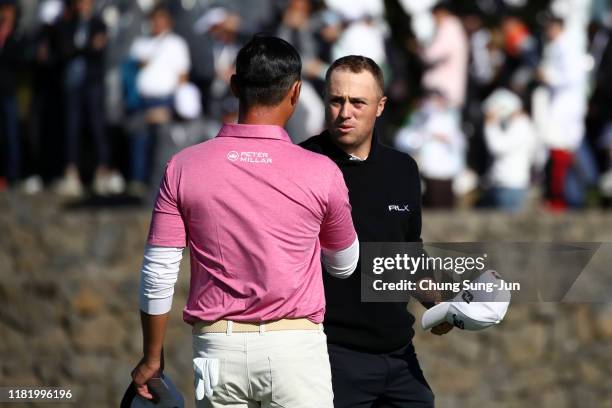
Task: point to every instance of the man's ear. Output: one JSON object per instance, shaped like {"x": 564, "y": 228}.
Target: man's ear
{"x": 233, "y": 86}
{"x": 381, "y": 106}
{"x": 296, "y": 88}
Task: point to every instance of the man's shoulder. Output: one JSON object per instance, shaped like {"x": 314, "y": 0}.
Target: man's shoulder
{"x": 316, "y": 159}
{"x": 396, "y": 159}
{"x": 321, "y": 145}
{"x": 314, "y": 144}
{"x": 315, "y": 147}
{"x": 196, "y": 151}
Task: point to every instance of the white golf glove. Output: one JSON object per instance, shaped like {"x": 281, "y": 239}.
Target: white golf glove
{"x": 206, "y": 376}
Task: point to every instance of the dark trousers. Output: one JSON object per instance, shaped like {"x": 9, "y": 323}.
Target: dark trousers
{"x": 141, "y": 147}
{"x": 144, "y": 138}
{"x": 9, "y": 136}
{"x": 390, "y": 380}
{"x": 438, "y": 193}
{"x": 86, "y": 101}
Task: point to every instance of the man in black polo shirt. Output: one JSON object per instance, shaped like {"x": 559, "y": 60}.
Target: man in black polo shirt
{"x": 370, "y": 344}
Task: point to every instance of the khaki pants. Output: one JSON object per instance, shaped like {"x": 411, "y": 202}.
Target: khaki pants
{"x": 287, "y": 369}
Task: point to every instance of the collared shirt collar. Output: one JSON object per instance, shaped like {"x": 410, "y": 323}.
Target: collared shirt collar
{"x": 254, "y": 132}
{"x": 356, "y": 158}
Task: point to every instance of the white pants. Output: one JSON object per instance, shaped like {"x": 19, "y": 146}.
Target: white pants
{"x": 287, "y": 369}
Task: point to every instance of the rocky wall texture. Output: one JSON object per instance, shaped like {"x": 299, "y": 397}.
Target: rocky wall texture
{"x": 69, "y": 312}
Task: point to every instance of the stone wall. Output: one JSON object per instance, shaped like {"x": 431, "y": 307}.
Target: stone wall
{"x": 69, "y": 312}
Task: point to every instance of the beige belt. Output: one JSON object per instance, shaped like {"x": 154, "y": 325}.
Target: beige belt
{"x": 221, "y": 326}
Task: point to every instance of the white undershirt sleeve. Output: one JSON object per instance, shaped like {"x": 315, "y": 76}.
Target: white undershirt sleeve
{"x": 158, "y": 275}
{"x": 341, "y": 264}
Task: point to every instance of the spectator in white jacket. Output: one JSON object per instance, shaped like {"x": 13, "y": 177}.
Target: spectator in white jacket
{"x": 511, "y": 141}
{"x": 164, "y": 63}
{"x": 435, "y": 139}
{"x": 164, "y": 57}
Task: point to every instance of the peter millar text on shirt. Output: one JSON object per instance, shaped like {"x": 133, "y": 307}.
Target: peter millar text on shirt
{"x": 254, "y": 210}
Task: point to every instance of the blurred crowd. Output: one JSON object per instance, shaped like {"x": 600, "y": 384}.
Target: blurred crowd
{"x": 499, "y": 101}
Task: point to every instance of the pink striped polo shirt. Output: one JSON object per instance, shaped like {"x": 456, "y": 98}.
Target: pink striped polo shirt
{"x": 254, "y": 210}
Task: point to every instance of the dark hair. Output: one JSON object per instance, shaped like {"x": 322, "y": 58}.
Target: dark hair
{"x": 357, "y": 64}
{"x": 555, "y": 19}
{"x": 160, "y": 8}
{"x": 442, "y": 6}
{"x": 266, "y": 68}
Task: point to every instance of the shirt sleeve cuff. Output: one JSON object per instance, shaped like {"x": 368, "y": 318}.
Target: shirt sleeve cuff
{"x": 155, "y": 306}
{"x": 341, "y": 264}
{"x": 158, "y": 275}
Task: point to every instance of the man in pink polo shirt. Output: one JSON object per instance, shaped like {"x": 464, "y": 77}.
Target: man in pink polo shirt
{"x": 258, "y": 214}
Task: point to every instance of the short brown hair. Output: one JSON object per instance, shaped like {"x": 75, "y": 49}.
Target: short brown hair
{"x": 357, "y": 64}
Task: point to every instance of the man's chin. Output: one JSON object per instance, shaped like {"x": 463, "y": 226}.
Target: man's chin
{"x": 347, "y": 141}
{"x": 347, "y": 138}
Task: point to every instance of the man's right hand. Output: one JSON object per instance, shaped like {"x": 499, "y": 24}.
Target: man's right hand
{"x": 143, "y": 372}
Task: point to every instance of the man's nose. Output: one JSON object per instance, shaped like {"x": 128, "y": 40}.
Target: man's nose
{"x": 345, "y": 111}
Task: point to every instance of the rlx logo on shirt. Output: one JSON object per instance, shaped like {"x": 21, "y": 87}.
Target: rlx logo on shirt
{"x": 401, "y": 207}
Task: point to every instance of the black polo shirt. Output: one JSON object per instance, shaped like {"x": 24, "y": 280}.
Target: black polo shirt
{"x": 385, "y": 179}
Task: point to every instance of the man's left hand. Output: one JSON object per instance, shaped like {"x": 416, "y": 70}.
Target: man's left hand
{"x": 143, "y": 372}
